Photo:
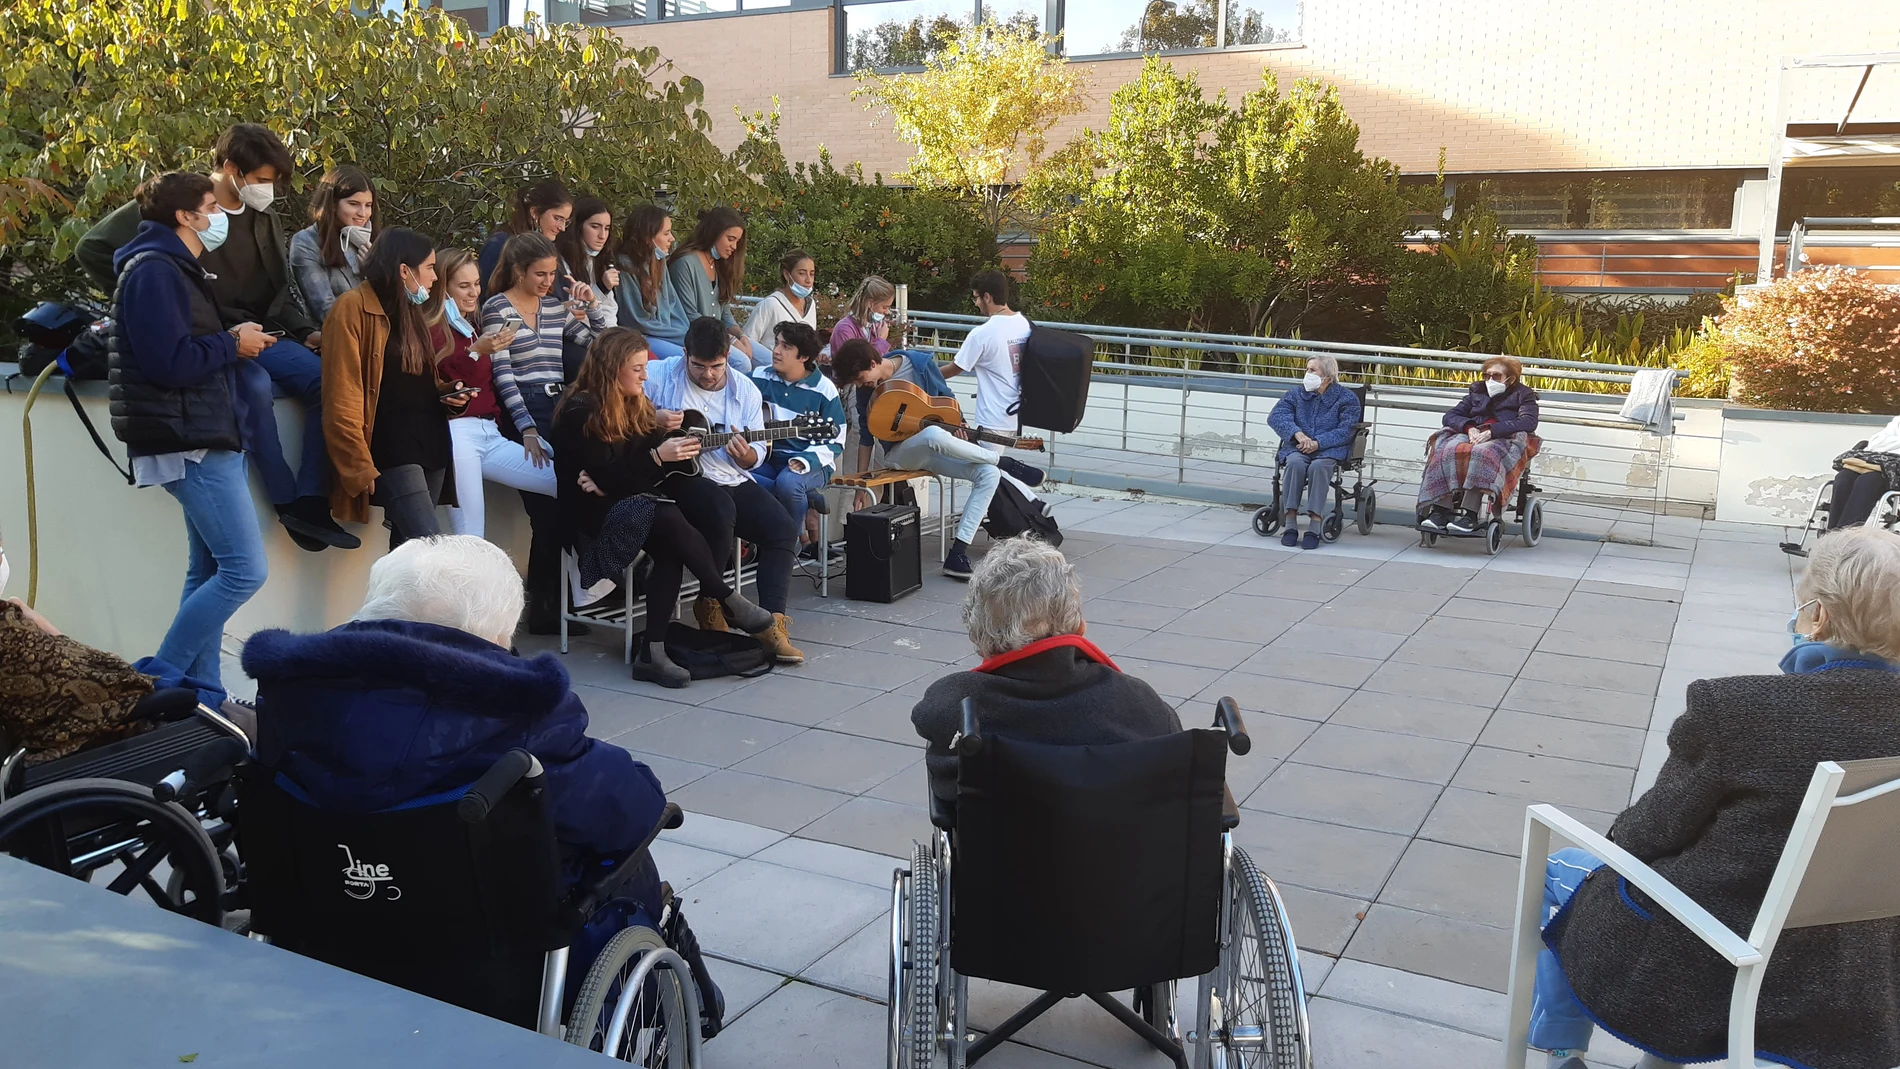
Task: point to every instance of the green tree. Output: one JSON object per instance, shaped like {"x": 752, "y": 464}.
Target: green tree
{"x": 1464, "y": 292}
{"x": 1186, "y": 212}
{"x": 979, "y": 114}
{"x": 103, "y": 93}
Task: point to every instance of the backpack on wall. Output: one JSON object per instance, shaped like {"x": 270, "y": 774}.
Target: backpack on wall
{"x": 1013, "y": 512}
{"x": 1055, "y": 379}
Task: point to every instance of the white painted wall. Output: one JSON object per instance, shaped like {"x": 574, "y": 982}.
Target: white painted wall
{"x": 1772, "y": 467}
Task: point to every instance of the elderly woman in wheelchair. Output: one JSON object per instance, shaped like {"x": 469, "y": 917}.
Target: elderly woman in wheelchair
{"x": 1088, "y": 836}
{"x": 375, "y": 735}
{"x": 1478, "y": 459}
{"x": 1317, "y": 422}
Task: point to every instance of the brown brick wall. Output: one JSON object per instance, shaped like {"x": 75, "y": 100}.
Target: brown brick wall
{"x": 1500, "y": 84}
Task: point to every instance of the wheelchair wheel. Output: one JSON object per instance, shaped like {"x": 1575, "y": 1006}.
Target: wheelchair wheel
{"x": 116, "y": 830}
{"x": 1531, "y": 528}
{"x": 1256, "y": 1015}
{"x": 926, "y": 973}
{"x": 1265, "y": 521}
{"x": 1331, "y": 528}
{"x": 1362, "y": 516}
{"x": 1494, "y": 537}
{"x": 653, "y": 1033}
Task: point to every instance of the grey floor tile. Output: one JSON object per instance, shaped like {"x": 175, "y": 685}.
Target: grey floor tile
{"x": 1273, "y": 739}
{"x": 1425, "y": 578}
{"x": 1579, "y": 740}
{"x": 1565, "y": 670}
{"x": 800, "y": 1026}
{"x": 1076, "y": 1028}
{"x": 1240, "y": 617}
{"x": 769, "y": 803}
{"x": 1460, "y": 951}
{"x": 1465, "y": 635}
{"x": 709, "y": 737}
{"x": 1169, "y": 680}
{"x": 1546, "y": 779}
{"x": 922, "y": 641}
{"x": 1391, "y": 621}
{"x": 1310, "y": 666}
{"x": 1579, "y": 703}
{"x": 1470, "y": 1009}
{"x": 830, "y": 859}
{"x": 872, "y": 825}
{"x": 1322, "y": 922}
{"x": 862, "y": 965}
{"x": 835, "y": 630}
{"x": 723, "y": 836}
{"x": 741, "y": 912}
{"x": 611, "y": 713}
{"x": 1407, "y": 715}
{"x": 1382, "y": 753}
{"x": 1355, "y": 799}
{"x": 1179, "y": 586}
{"x": 1453, "y": 881}
{"x": 683, "y": 866}
{"x": 1639, "y": 591}
{"x": 1477, "y": 650}
{"x": 802, "y": 700}
{"x": 1197, "y": 651}
{"x": 1423, "y": 602}
{"x": 885, "y": 717}
{"x": 1324, "y": 857}
{"x": 743, "y": 985}
{"x": 1128, "y": 613}
{"x": 1113, "y": 638}
{"x": 1605, "y": 647}
{"x": 1125, "y": 562}
{"x": 1498, "y": 612}
{"x": 1291, "y": 587}
{"x": 831, "y": 760}
{"x": 1493, "y": 822}
{"x": 1357, "y": 641}
{"x": 1471, "y": 686}
{"x": 673, "y": 772}
{"x": 1283, "y": 697}
{"x": 864, "y": 668}
{"x": 1518, "y": 589}
{"x": 1348, "y": 1036}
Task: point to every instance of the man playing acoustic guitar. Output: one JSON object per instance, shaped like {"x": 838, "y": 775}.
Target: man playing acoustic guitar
{"x": 933, "y": 449}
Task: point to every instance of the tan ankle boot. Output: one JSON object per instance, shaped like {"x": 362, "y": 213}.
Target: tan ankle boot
{"x": 709, "y": 616}
{"x": 777, "y": 641}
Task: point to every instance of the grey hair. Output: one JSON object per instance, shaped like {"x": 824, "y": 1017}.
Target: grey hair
{"x": 1854, "y": 574}
{"x": 457, "y": 581}
{"x": 1022, "y": 591}
{"x": 1328, "y": 367}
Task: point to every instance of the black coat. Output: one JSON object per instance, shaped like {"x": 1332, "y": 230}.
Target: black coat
{"x": 1740, "y": 760}
{"x": 620, "y": 469}
{"x": 1055, "y": 696}
{"x": 171, "y": 360}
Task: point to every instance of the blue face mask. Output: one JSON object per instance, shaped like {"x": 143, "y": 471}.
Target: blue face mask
{"x": 456, "y": 321}
{"x": 1796, "y": 638}
{"x": 214, "y": 234}
{"x": 801, "y": 292}
{"x": 418, "y": 296}
{"x": 659, "y": 253}
{"x": 877, "y": 317}
{"x": 714, "y": 253}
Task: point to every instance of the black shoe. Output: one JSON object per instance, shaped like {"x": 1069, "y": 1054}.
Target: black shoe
{"x": 305, "y": 542}
{"x": 310, "y": 517}
{"x": 1023, "y": 473}
{"x": 1436, "y": 520}
{"x": 810, "y": 552}
{"x": 1465, "y": 523}
{"x": 957, "y": 564}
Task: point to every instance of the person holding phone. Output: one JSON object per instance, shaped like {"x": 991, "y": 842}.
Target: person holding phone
{"x": 543, "y": 208}
{"x": 387, "y": 420}
{"x": 584, "y": 258}
{"x": 529, "y": 375}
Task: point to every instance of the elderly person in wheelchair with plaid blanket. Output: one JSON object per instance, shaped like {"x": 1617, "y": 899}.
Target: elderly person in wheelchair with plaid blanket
{"x": 1489, "y": 434}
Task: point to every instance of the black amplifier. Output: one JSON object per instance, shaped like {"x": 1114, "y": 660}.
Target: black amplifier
{"x": 883, "y": 553}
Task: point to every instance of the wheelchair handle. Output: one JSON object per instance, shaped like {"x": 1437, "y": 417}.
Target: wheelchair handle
{"x": 501, "y": 777}
{"x": 1227, "y": 718}
{"x": 969, "y": 741}
{"x": 201, "y": 767}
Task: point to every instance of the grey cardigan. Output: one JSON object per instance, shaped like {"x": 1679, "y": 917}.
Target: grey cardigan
{"x": 1714, "y": 824}
{"x": 697, "y": 295}
{"x": 1055, "y": 696}
{"x": 321, "y": 285}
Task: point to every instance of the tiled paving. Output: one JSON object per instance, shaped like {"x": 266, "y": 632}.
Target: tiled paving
{"x": 1405, "y": 704}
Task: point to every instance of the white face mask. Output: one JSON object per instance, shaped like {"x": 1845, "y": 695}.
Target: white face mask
{"x": 356, "y": 237}
{"x": 258, "y": 195}
{"x": 1313, "y": 382}
{"x": 5, "y": 570}
{"x": 1494, "y": 387}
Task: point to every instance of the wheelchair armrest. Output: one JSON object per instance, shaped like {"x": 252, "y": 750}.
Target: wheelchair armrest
{"x": 172, "y": 703}
{"x": 943, "y": 812}
{"x": 588, "y": 895}
{"x": 1229, "y": 809}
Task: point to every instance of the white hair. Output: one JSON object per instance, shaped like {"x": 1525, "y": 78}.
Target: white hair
{"x": 457, "y": 581}
{"x": 1022, "y": 591}
{"x": 1328, "y": 366}
{"x": 1854, "y": 574}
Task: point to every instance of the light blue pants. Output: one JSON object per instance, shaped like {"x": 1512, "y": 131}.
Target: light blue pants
{"x": 936, "y": 450}
{"x": 1310, "y": 476}
{"x": 1558, "y": 1020}
{"x": 225, "y": 565}
{"x": 788, "y": 486}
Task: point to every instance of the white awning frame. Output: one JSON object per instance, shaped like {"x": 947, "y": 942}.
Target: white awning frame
{"x": 1840, "y": 149}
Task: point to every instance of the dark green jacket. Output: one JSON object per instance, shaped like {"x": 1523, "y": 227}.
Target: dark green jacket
{"x": 288, "y": 312}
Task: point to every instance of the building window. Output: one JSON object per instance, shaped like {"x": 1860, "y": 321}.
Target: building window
{"x": 1654, "y": 200}
{"x": 482, "y": 16}
{"x": 887, "y": 34}
{"x": 676, "y": 8}
{"x": 1842, "y": 192}
{"x": 1121, "y": 26}
{"x": 597, "y": 12}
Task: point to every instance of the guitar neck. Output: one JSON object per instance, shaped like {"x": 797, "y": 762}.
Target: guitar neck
{"x": 769, "y": 434}
{"x": 982, "y": 435}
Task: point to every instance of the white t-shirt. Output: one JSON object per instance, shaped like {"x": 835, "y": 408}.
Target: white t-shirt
{"x": 775, "y": 308}
{"x": 994, "y": 350}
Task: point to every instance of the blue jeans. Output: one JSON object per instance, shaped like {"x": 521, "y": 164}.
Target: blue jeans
{"x": 225, "y": 565}
{"x": 1309, "y": 476}
{"x": 298, "y": 373}
{"x": 1558, "y": 1020}
{"x": 936, "y": 450}
{"x": 788, "y": 486}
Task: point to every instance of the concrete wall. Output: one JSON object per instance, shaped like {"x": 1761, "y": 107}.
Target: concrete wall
{"x": 1773, "y": 462}
{"x": 1499, "y": 84}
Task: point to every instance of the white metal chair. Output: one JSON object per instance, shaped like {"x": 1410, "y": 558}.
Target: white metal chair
{"x": 631, "y": 610}
{"x": 1838, "y": 867}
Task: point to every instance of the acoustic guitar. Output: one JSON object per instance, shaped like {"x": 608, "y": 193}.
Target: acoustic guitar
{"x": 900, "y": 410}
{"x": 694, "y": 424}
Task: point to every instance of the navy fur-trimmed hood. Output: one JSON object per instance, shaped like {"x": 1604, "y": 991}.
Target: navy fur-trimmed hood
{"x": 451, "y": 665}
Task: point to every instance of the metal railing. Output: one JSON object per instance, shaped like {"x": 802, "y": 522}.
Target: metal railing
{"x": 1800, "y": 234}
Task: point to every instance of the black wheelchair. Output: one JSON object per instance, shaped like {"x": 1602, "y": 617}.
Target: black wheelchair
{"x": 1365, "y": 502}
{"x": 457, "y": 897}
{"x": 1088, "y": 871}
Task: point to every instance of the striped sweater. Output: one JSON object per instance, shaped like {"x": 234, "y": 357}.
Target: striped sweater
{"x": 532, "y": 362}
{"x": 813, "y": 395}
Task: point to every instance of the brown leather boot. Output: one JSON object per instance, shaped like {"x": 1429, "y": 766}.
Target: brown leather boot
{"x": 777, "y": 640}
{"x": 709, "y": 616}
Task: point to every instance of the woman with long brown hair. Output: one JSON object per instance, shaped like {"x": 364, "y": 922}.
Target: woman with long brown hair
{"x": 645, "y": 294}
{"x": 706, "y": 270}
{"x": 543, "y": 208}
{"x": 609, "y": 445}
{"x": 385, "y": 415}
{"x": 327, "y": 255}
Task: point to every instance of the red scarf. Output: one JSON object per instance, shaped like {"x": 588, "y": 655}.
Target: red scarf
{"x": 1052, "y": 642}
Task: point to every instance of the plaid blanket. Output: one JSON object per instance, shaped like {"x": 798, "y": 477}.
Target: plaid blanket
{"x": 1453, "y": 465}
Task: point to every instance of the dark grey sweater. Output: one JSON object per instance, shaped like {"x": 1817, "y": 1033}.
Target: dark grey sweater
{"x": 1713, "y": 825}
{"x": 1056, "y": 696}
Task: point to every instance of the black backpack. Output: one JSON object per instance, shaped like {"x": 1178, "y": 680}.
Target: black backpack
{"x": 712, "y": 654}
{"x": 1013, "y": 513}
{"x": 1055, "y": 379}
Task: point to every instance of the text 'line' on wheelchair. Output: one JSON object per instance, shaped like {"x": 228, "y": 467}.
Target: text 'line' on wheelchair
{"x": 1086, "y": 871}
{"x": 1365, "y": 501}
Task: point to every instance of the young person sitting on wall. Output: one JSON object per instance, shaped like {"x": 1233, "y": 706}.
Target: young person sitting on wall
{"x": 793, "y": 386}
{"x": 249, "y": 274}
{"x": 543, "y": 208}
{"x": 706, "y": 270}
{"x": 328, "y": 254}
{"x": 724, "y": 498}
{"x": 645, "y": 295}
{"x": 932, "y": 449}
{"x": 792, "y": 302}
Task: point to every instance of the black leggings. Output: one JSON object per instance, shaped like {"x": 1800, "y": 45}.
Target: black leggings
{"x": 1855, "y": 494}
{"x": 676, "y": 546}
